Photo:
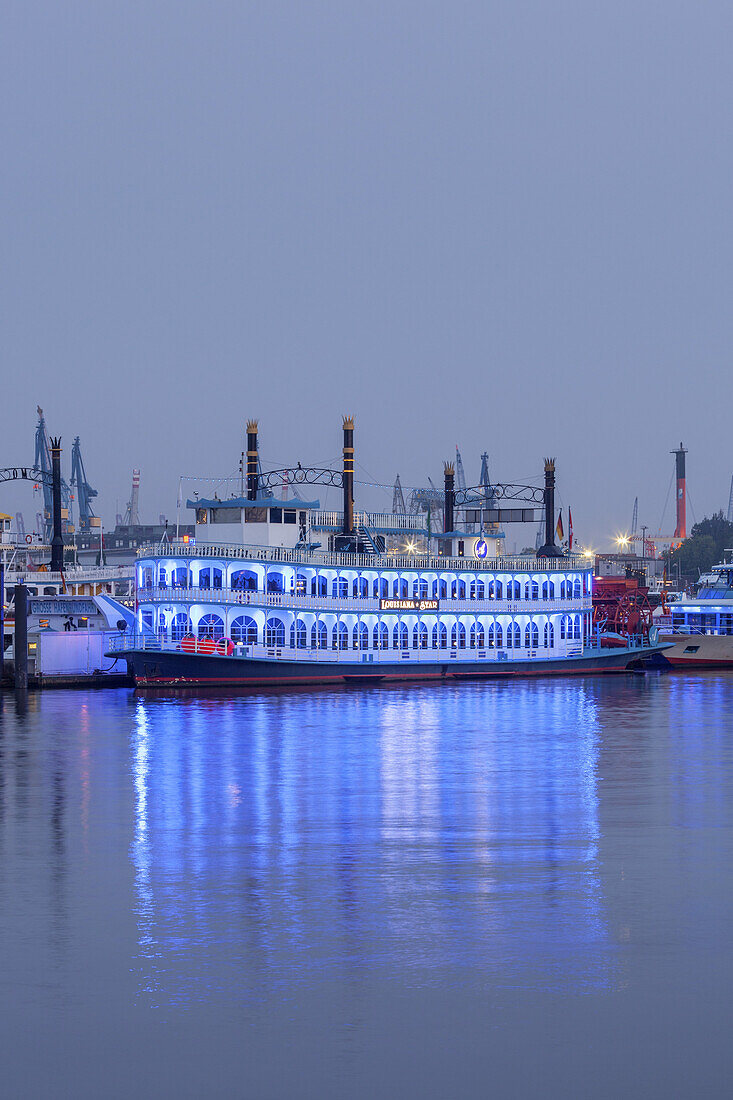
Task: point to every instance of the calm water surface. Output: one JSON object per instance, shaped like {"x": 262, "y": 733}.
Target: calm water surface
{"x": 497, "y": 889}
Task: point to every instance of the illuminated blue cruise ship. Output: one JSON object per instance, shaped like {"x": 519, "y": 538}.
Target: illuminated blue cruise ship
{"x": 273, "y": 590}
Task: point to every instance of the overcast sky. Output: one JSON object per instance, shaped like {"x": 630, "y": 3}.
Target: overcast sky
{"x": 502, "y": 225}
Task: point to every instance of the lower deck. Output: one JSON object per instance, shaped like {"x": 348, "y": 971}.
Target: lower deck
{"x": 162, "y": 667}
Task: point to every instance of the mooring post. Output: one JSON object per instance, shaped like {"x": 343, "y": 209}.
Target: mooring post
{"x": 21, "y": 638}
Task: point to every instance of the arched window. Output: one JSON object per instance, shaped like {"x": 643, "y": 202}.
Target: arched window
{"x": 297, "y": 634}
{"x": 576, "y": 625}
{"x": 420, "y": 636}
{"x": 360, "y": 588}
{"x": 534, "y": 591}
{"x": 147, "y": 619}
{"x": 399, "y": 588}
{"x": 300, "y": 584}
{"x": 179, "y": 577}
{"x": 440, "y": 636}
{"x": 495, "y": 636}
{"x": 340, "y": 636}
{"x": 146, "y": 577}
{"x": 340, "y": 588}
{"x": 243, "y": 630}
{"x": 319, "y": 636}
{"x": 513, "y": 590}
{"x": 204, "y": 578}
{"x": 180, "y": 626}
{"x": 275, "y": 583}
{"x": 531, "y": 636}
{"x": 399, "y": 636}
{"x": 461, "y": 593}
{"x": 244, "y": 580}
{"x": 549, "y": 639}
{"x": 548, "y": 590}
{"x": 576, "y": 588}
{"x": 274, "y": 632}
{"x": 211, "y": 626}
{"x": 458, "y": 636}
{"x": 566, "y": 627}
{"x": 360, "y": 636}
{"x": 476, "y": 640}
{"x": 380, "y": 636}
{"x": 319, "y": 586}
{"x": 442, "y": 588}
{"x": 477, "y": 590}
{"x": 513, "y": 636}
{"x": 420, "y": 588}
{"x": 499, "y": 589}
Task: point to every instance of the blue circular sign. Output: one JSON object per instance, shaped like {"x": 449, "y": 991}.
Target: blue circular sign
{"x": 482, "y": 548}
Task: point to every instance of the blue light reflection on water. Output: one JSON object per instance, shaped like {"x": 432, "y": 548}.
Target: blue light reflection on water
{"x": 292, "y": 835}
{"x": 381, "y": 885}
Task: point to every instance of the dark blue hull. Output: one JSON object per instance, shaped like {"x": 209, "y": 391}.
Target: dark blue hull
{"x": 152, "y": 668}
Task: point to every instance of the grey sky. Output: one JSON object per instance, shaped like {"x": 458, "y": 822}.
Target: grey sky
{"x": 499, "y": 224}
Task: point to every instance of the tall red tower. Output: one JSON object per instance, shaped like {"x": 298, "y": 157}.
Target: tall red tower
{"x": 680, "y": 531}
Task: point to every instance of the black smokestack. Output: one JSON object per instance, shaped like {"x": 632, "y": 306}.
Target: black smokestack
{"x": 57, "y": 543}
{"x": 549, "y": 550}
{"x": 252, "y": 460}
{"x": 348, "y": 475}
{"x": 450, "y": 497}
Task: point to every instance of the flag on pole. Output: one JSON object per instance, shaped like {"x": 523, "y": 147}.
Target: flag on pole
{"x": 560, "y": 530}
{"x": 570, "y": 529}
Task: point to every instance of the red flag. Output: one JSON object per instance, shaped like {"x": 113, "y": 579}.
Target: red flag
{"x": 570, "y": 529}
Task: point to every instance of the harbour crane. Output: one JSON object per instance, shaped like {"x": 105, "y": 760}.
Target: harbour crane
{"x": 635, "y": 516}
{"x": 132, "y": 516}
{"x": 84, "y": 492}
{"x": 398, "y": 499}
{"x": 43, "y": 462}
{"x": 460, "y": 476}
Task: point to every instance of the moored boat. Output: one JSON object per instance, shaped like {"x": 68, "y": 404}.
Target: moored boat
{"x": 257, "y": 598}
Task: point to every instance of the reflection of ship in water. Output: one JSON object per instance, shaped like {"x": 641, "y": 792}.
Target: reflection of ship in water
{"x": 261, "y": 847}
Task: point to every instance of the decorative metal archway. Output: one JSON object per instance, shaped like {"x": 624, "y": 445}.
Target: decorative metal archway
{"x": 26, "y": 473}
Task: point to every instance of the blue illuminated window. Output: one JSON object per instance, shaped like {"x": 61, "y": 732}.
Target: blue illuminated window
{"x": 440, "y": 636}
{"x": 360, "y": 636}
{"x": 243, "y": 630}
{"x": 420, "y": 636}
{"x": 274, "y": 632}
{"x": 319, "y": 636}
{"x": 211, "y": 626}
{"x": 381, "y": 636}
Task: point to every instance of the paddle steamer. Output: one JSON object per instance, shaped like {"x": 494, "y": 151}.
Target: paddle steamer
{"x": 273, "y": 590}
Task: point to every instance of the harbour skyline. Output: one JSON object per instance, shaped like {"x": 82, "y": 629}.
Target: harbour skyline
{"x": 498, "y": 227}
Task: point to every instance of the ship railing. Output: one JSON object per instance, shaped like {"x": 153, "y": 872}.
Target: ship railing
{"x": 373, "y": 520}
{"x": 344, "y": 604}
{"x": 72, "y": 575}
{"x": 414, "y": 563}
{"x": 149, "y": 643}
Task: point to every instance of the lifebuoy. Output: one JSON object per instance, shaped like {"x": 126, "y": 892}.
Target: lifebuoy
{"x": 225, "y": 646}
{"x": 188, "y": 644}
{"x": 29, "y": 539}
{"x": 206, "y": 645}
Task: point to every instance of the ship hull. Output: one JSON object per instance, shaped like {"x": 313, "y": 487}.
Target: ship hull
{"x": 699, "y": 650}
{"x": 151, "y": 669}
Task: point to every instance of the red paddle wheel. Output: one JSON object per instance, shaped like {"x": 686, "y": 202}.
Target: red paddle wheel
{"x": 621, "y": 606}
